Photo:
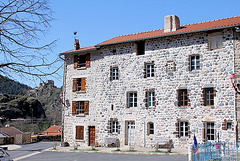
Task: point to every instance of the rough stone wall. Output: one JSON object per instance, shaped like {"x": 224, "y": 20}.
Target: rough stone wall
{"x": 216, "y": 67}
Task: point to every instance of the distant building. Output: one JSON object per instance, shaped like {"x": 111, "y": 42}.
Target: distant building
{"x": 53, "y": 130}
{"x": 161, "y": 84}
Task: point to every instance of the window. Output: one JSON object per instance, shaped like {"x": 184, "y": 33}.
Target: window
{"x": 140, "y": 48}
{"x": 208, "y": 96}
{"x": 114, "y": 126}
{"x": 79, "y": 84}
{"x": 194, "y": 62}
{"x": 171, "y": 67}
{"x": 215, "y": 40}
{"x": 150, "y": 128}
{"x": 209, "y": 131}
{"x": 113, "y": 73}
{"x": 182, "y": 97}
{"x": 81, "y": 61}
{"x": 80, "y": 107}
{"x": 229, "y": 125}
{"x": 132, "y": 99}
{"x": 183, "y": 129}
{"x": 80, "y": 132}
{"x": 149, "y": 70}
{"x": 150, "y": 99}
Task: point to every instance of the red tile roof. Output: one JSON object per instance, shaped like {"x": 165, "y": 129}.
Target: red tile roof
{"x": 53, "y": 130}
{"x": 80, "y": 49}
{"x": 195, "y": 27}
{"x": 10, "y": 131}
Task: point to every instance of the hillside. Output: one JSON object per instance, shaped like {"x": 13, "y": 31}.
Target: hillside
{"x": 9, "y": 86}
{"x": 48, "y": 95}
{"x": 16, "y": 106}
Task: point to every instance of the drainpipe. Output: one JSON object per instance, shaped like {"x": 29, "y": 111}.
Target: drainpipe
{"x": 63, "y": 100}
{"x": 144, "y": 133}
{"x": 235, "y": 93}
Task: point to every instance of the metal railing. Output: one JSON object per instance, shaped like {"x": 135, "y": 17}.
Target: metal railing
{"x": 216, "y": 151}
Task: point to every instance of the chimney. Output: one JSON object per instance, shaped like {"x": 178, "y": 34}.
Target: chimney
{"x": 76, "y": 44}
{"x": 171, "y": 23}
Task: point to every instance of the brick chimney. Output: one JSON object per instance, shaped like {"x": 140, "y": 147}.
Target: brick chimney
{"x": 171, "y": 23}
{"x": 76, "y": 44}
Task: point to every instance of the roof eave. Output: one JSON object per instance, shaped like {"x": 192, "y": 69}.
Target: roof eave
{"x": 173, "y": 34}
{"x": 77, "y": 52}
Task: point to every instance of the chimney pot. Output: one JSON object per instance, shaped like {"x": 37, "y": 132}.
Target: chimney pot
{"x": 171, "y": 23}
{"x": 76, "y": 44}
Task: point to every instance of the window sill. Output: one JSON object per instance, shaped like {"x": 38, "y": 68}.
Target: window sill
{"x": 150, "y": 78}
{"x": 82, "y": 68}
{"x": 78, "y": 140}
{"x": 183, "y": 107}
{"x": 79, "y": 92}
{"x": 115, "y": 80}
{"x": 80, "y": 115}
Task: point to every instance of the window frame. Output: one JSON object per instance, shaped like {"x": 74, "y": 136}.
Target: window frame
{"x": 208, "y": 96}
{"x": 183, "y": 129}
{"x": 114, "y": 127}
{"x": 114, "y": 73}
{"x": 215, "y": 40}
{"x": 80, "y": 108}
{"x": 150, "y": 99}
{"x": 150, "y": 130}
{"x": 82, "y": 61}
{"x": 134, "y": 99}
{"x": 183, "y": 99}
{"x": 196, "y": 65}
{"x": 150, "y": 70}
{"x": 209, "y": 131}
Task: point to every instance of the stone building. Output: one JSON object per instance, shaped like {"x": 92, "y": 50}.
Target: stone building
{"x": 170, "y": 83}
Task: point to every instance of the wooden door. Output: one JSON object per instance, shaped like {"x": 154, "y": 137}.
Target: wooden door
{"x": 91, "y": 136}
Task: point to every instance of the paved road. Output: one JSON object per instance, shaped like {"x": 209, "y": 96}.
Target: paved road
{"x": 82, "y": 156}
{"x": 29, "y": 149}
{"x": 35, "y": 152}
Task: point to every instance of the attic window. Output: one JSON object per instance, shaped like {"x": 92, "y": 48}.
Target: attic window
{"x": 140, "y": 50}
{"x": 81, "y": 61}
{"x": 215, "y": 40}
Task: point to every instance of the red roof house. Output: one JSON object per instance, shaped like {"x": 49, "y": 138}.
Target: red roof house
{"x": 53, "y": 130}
{"x": 10, "y": 131}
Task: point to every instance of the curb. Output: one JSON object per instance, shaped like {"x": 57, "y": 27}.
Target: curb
{"x": 106, "y": 152}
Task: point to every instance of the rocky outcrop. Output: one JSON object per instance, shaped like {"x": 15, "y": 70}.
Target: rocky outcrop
{"x": 15, "y": 106}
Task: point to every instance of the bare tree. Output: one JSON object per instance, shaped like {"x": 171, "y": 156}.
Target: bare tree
{"x": 22, "y": 24}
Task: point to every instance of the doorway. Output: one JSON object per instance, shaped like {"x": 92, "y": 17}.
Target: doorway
{"x": 91, "y": 136}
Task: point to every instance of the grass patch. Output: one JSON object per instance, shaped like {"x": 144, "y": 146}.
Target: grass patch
{"x": 53, "y": 149}
{"x": 158, "y": 151}
{"x": 76, "y": 150}
{"x": 131, "y": 151}
{"x": 91, "y": 150}
{"x": 118, "y": 150}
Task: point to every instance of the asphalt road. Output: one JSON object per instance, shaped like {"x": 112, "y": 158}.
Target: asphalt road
{"x": 35, "y": 152}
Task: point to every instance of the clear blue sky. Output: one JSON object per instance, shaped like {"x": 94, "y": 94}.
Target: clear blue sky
{"x": 100, "y": 20}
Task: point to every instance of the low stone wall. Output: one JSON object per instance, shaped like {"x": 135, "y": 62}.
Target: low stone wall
{"x": 48, "y": 137}
{"x": 6, "y": 140}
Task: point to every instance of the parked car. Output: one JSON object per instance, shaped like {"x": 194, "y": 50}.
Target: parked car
{"x": 4, "y": 156}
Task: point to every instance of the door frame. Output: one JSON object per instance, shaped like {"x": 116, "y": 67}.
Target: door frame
{"x": 89, "y": 127}
{"x": 126, "y": 130}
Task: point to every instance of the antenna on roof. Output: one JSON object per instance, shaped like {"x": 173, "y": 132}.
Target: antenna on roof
{"x": 75, "y": 33}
